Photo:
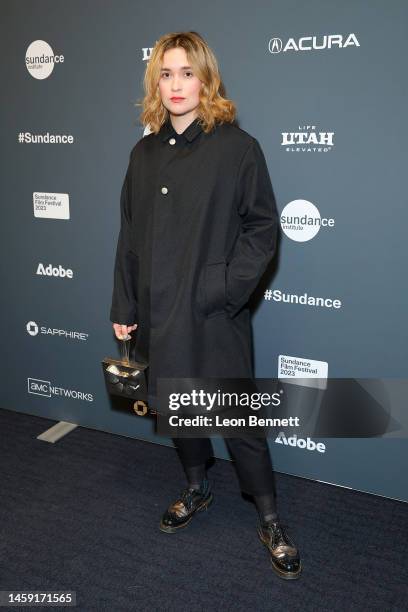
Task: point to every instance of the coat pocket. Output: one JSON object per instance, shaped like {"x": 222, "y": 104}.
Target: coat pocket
{"x": 215, "y": 288}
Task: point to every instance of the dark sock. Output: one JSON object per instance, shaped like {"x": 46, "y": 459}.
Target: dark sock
{"x": 195, "y": 476}
{"x": 266, "y": 507}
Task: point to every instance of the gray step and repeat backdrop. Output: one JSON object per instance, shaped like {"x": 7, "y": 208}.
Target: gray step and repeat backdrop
{"x": 322, "y": 86}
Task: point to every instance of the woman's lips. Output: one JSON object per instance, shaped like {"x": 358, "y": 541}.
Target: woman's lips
{"x": 177, "y": 99}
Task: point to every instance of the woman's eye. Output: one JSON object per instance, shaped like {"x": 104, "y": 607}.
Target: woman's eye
{"x": 187, "y": 72}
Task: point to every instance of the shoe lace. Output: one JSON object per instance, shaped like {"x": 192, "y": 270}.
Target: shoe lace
{"x": 187, "y": 497}
{"x": 278, "y": 534}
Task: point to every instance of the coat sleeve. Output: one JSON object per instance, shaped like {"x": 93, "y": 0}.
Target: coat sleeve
{"x": 256, "y": 243}
{"x": 124, "y": 299}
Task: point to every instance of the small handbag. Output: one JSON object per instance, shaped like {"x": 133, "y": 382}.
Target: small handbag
{"x": 126, "y": 378}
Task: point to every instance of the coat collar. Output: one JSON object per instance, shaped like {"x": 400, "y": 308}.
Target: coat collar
{"x": 191, "y": 131}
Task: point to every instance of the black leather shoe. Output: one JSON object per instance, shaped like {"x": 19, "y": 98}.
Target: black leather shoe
{"x": 180, "y": 512}
{"x": 285, "y": 558}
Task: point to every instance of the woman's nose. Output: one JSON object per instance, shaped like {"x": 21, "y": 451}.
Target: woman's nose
{"x": 175, "y": 83}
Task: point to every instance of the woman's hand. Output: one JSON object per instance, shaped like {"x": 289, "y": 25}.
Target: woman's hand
{"x": 121, "y": 331}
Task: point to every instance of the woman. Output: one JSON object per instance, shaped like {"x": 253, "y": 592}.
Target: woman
{"x": 198, "y": 228}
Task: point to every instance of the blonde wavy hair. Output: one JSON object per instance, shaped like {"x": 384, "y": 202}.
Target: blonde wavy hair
{"x": 213, "y": 105}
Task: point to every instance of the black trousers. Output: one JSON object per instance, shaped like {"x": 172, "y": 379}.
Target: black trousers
{"x": 250, "y": 455}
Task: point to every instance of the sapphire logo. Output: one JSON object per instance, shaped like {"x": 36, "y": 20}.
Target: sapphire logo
{"x": 32, "y": 328}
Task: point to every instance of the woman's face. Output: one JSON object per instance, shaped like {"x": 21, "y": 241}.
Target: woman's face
{"x": 178, "y": 85}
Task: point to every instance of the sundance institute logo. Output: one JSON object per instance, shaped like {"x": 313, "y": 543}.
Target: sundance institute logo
{"x": 40, "y": 59}
{"x": 301, "y": 220}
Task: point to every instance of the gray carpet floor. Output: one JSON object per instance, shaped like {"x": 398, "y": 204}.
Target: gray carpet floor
{"x": 82, "y": 515}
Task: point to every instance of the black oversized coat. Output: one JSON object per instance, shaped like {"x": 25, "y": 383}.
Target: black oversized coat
{"x": 198, "y": 228}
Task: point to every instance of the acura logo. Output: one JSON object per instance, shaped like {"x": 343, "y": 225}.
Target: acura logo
{"x": 275, "y": 45}
{"x": 307, "y": 43}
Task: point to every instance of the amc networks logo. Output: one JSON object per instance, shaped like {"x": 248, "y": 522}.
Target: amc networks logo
{"x": 39, "y": 387}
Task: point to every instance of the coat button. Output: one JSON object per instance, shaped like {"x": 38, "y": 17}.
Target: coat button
{"x": 172, "y": 141}
{"x": 164, "y": 190}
